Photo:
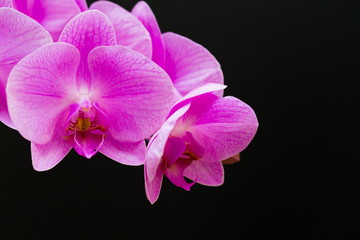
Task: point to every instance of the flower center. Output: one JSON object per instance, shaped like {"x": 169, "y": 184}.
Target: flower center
{"x": 87, "y": 126}
{"x": 85, "y": 121}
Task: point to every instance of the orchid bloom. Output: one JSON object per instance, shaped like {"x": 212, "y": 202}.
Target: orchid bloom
{"x": 19, "y": 36}
{"x": 87, "y": 93}
{"x": 52, "y": 14}
{"x": 201, "y": 130}
{"x": 188, "y": 64}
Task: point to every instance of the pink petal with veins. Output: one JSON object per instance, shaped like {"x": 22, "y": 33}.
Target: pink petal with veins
{"x": 40, "y": 87}
{"x": 132, "y": 154}
{"x": 144, "y": 13}
{"x": 130, "y": 32}
{"x": 189, "y": 64}
{"x": 87, "y": 31}
{"x": 47, "y": 156}
{"x": 223, "y": 126}
{"x": 133, "y": 91}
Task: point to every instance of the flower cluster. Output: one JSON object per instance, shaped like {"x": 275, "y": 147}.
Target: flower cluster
{"x": 102, "y": 79}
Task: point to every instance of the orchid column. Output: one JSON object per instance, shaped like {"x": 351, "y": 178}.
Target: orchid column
{"x": 88, "y": 94}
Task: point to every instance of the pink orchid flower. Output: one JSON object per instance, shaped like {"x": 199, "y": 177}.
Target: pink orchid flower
{"x": 202, "y": 129}
{"x": 87, "y": 93}
{"x": 130, "y": 32}
{"x": 19, "y": 36}
{"x": 52, "y": 14}
{"x": 188, "y": 64}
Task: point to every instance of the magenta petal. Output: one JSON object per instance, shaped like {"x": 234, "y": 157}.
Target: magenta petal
{"x": 223, "y": 126}
{"x": 133, "y": 91}
{"x": 143, "y": 12}
{"x": 204, "y": 89}
{"x": 52, "y": 14}
{"x": 19, "y": 35}
{"x": 205, "y": 173}
{"x": 6, "y": 3}
{"x": 153, "y": 187}
{"x": 193, "y": 147}
{"x": 176, "y": 173}
{"x": 87, "y": 144}
{"x": 189, "y": 64}
{"x": 174, "y": 148}
{"x": 132, "y": 154}
{"x": 86, "y": 31}
{"x": 46, "y": 156}
{"x": 40, "y": 87}
{"x": 130, "y": 32}
{"x": 82, "y": 5}
{"x": 4, "y": 113}
{"x": 156, "y": 146}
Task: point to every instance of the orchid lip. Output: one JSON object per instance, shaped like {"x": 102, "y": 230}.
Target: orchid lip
{"x": 87, "y": 126}
{"x": 179, "y": 153}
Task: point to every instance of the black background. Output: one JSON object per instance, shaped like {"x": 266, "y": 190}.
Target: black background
{"x": 296, "y": 63}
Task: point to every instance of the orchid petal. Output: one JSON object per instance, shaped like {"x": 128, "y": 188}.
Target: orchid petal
{"x": 4, "y": 113}
{"x": 153, "y": 187}
{"x": 133, "y": 91}
{"x": 144, "y": 13}
{"x": 174, "y": 148}
{"x": 82, "y": 5}
{"x": 86, "y": 31}
{"x": 53, "y": 14}
{"x": 205, "y": 173}
{"x": 46, "y": 156}
{"x": 156, "y": 146}
{"x": 6, "y": 3}
{"x": 204, "y": 89}
{"x": 189, "y": 64}
{"x": 40, "y": 87}
{"x": 175, "y": 173}
{"x": 19, "y": 35}
{"x": 130, "y": 32}
{"x": 223, "y": 126}
{"x": 87, "y": 144}
{"x": 193, "y": 149}
{"x": 132, "y": 154}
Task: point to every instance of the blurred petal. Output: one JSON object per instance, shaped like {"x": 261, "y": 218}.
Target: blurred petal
{"x": 143, "y": 12}
{"x": 189, "y": 64}
{"x": 6, "y": 3}
{"x": 205, "y": 173}
{"x": 223, "y": 126}
{"x": 130, "y": 32}
{"x": 153, "y": 187}
{"x": 82, "y": 5}
{"x": 53, "y": 14}
{"x": 19, "y": 35}
{"x": 87, "y": 31}
{"x": 40, "y": 87}
{"x": 46, "y": 156}
{"x": 133, "y": 91}
{"x": 156, "y": 146}
{"x": 126, "y": 153}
